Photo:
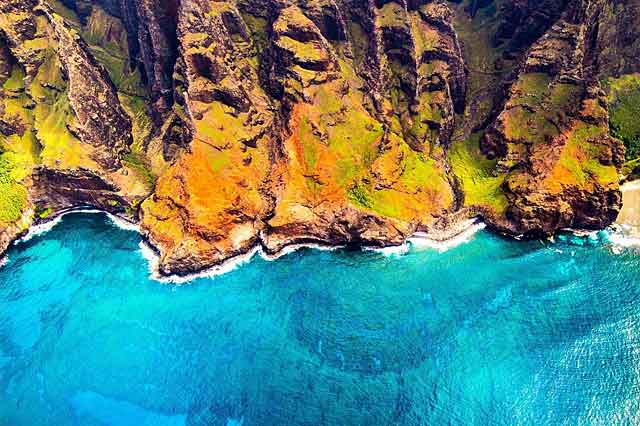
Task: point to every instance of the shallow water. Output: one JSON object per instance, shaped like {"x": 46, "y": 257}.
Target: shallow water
{"x": 492, "y": 332}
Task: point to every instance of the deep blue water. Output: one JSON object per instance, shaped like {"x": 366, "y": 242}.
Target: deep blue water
{"x": 492, "y": 332}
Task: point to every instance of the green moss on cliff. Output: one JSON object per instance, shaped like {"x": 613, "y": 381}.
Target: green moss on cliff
{"x": 138, "y": 162}
{"x": 580, "y": 156}
{"x": 392, "y": 15}
{"x": 484, "y": 60}
{"x": 15, "y": 82}
{"x": 480, "y": 185}
{"x": 107, "y": 40}
{"x": 13, "y": 196}
{"x": 142, "y": 125}
{"x": 624, "y": 100}
{"x": 403, "y": 184}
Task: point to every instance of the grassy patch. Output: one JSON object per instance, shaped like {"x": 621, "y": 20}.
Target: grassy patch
{"x": 59, "y": 145}
{"x": 392, "y": 15}
{"x": 15, "y": 82}
{"x": 403, "y": 184}
{"x": 142, "y": 125}
{"x": 359, "y": 195}
{"x": 302, "y": 51}
{"x": 309, "y": 148}
{"x": 475, "y": 171}
{"x": 44, "y": 213}
{"x": 579, "y": 157}
{"x": 138, "y": 163}
{"x": 13, "y": 196}
{"x": 624, "y": 111}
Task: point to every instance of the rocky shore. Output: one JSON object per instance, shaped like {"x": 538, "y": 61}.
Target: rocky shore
{"x": 223, "y": 126}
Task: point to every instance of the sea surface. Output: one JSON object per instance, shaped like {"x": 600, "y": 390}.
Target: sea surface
{"x": 491, "y": 332}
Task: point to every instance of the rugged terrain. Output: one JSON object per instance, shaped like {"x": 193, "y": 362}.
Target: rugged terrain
{"x": 220, "y": 125}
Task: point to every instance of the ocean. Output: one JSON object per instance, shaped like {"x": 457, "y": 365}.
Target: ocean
{"x": 490, "y": 332}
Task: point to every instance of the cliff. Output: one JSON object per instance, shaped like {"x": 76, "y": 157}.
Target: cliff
{"x": 221, "y": 125}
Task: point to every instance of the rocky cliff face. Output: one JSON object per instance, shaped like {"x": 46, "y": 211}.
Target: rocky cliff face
{"x": 220, "y": 125}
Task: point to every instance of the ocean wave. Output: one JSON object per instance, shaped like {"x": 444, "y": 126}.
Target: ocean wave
{"x": 417, "y": 241}
{"x": 43, "y": 228}
{"x": 40, "y": 229}
{"x": 421, "y": 241}
{"x": 227, "y": 266}
{"x": 231, "y": 264}
{"x": 390, "y": 251}
{"x": 624, "y": 236}
{"x": 123, "y": 224}
{"x": 583, "y": 233}
{"x": 295, "y": 247}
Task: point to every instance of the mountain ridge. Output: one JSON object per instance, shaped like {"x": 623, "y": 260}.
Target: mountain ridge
{"x": 220, "y": 125}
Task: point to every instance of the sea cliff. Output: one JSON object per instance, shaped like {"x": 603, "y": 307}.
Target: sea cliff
{"x": 219, "y": 126}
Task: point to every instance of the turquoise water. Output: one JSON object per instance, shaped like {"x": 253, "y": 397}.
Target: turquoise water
{"x": 492, "y": 332}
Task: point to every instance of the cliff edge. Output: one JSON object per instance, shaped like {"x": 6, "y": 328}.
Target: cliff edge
{"x": 222, "y": 125}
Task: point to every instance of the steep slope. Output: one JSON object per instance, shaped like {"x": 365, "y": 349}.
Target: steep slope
{"x": 64, "y": 130}
{"x": 552, "y": 136}
{"x": 276, "y": 122}
{"x": 308, "y": 130}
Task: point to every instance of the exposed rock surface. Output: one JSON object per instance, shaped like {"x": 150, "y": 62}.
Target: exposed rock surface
{"x": 275, "y": 122}
{"x": 552, "y": 137}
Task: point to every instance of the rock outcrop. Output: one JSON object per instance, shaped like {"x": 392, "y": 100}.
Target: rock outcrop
{"x": 552, "y": 136}
{"x": 222, "y": 125}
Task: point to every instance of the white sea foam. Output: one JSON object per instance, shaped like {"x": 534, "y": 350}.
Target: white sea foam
{"x": 3, "y": 261}
{"x": 123, "y": 223}
{"x": 229, "y": 265}
{"x": 592, "y": 235}
{"x": 416, "y": 241}
{"x": 421, "y": 240}
{"x": 295, "y": 247}
{"x": 624, "y": 238}
{"x": 41, "y": 229}
{"x": 390, "y": 251}
{"x": 45, "y": 227}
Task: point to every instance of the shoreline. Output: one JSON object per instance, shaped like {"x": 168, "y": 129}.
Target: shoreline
{"x": 442, "y": 240}
{"x": 459, "y": 231}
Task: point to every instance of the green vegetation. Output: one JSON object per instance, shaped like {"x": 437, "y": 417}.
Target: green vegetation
{"x": 309, "y": 148}
{"x": 142, "y": 125}
{"x": 15, "y": 82}
{"x": 392, "y": 15}
{"x": 13, "y": 196}
{"x": 107, "y": 40}
{"x": 403, "y": 184}
{"x": 359, "y": 195}
{"x": 624, "y": 100}
{"x": 537, "y": 108}
{"x": 138, "y": 162}
{"x": 425, "y": 38}
{"x": 302, "y": 51}
{"x": 475, "y": 172}
{"x": 44, "y": 213}
{"x": 59, "y": 145}
{"x": 580, "y": 156}
{"x": 477, "y": 36}
{"x": 259, "y": 31}
{"x": 355, "y": 144}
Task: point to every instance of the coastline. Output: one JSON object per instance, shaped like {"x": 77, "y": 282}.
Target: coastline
{"x": 460, "y": 229}
{"x": 442, "y": 241}
{"x": 459, "y": 232}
